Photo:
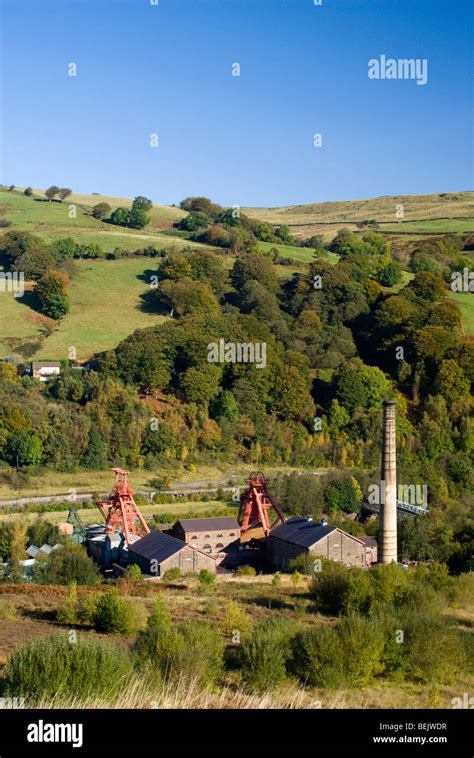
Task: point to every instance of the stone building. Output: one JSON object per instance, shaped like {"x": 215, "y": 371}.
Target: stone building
{"x": 157, "y": 553}
{"x": 211, "y": 535}
{"x": 303, "y": 535}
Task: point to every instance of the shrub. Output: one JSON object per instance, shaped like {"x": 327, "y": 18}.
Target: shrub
{"x": 338, "y": 589}
{"x": 192, "y": 650}
{"x": 391, "y": 583}
{"x": 54, "y": 666}
{"x": 159, "y": 617}
{"x": 115, "y": 615}
{"x": 434, "y": 650}
{"x": 86, "y": 607}
{"x": 134, "y": 572}
{"x": 277, "y": 580}
{"x": 347, "y": 655}
{"x": 363, "y": 643}
{"x": 329, "y": 587}
{"x": 207, "y": 579}
{"x": 64, "y": 565}
{"x": 7, "y": 610}
{"x": 246, "y": 571}
{"x": 461, "y": 591}
{"x": 295, "y": 578}
{"x": 235, "y": 619}
{"x": 67, "y": 611}
{"x": 264, "y": 654}
{"x": 171, "y": 574}
{"x": 317, "y": 657}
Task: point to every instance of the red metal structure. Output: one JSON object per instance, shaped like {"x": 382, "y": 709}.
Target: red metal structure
{"x": 120, "y": 510}
{"x": 255, "y": 505}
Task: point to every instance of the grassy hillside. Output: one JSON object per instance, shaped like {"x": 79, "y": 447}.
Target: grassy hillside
{"x": 107, "y": 296}
{"x": 326, "y": 218}
{"x": 106, "y": 306}
{"x": 51, "y": 220}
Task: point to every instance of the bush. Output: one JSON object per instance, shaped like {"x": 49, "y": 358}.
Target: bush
{"x": 246, "y": 571}
{"x": 391, "y": 583}
{"x": 7, "y": 610}
{"x": 67, "y": 611}
{"x": 65, "y": 565}
{"x": 54, "y": 666}
{"x": 86, "y": 607}
{"x": 171, "y": 574}
{"x": 317, "y": 657}
{"x": 134, "y": 573}
{"x": 362, "y": 643}
{"x": 329, "y": 587}
{"x": 115, "y": 615}
{"x": 235, "y": 620}
{"x": 434, "y": 651}
{"x": 159, "y": 617}
{"x": 207, "y": 579}
{"x": 193, "y": 650}
{"x": 338, "y": 589}
{"x": 295, "y": 578}
{"x": 347, "y": 655}
{"x": 277, "y": 580}
{"x": 264, "y": 654}
{"x": 461, "y": 591}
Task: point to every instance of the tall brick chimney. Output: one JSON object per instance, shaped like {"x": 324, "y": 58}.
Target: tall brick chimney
{"x": 388, "y": 508}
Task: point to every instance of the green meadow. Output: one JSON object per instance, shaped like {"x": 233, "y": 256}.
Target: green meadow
{"x": 106, "y": 305}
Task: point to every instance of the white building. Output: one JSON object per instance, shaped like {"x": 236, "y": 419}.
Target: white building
{"x": 44, "y": 370}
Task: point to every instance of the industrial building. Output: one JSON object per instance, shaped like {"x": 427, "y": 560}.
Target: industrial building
{"x": 211, "y": 535}
{"x": 300, "y": 536}
{"x": 157, "y": 553}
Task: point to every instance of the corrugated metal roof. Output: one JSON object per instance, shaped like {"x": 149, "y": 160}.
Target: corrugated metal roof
{"x": 208, "y": 524}
{"x": 156, "y": 545}
{"x": 301, "y": 532}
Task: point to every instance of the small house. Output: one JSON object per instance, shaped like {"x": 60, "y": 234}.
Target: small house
{"x": 44, "y": 370}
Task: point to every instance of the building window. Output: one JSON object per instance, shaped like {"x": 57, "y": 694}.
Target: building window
{"x": 220, "y": 535}
{"x": 219, "y": 546}
{"x": 207, "y": 536}
{"x": 207, "y": 548}
{"x": 194, "y": 537}
{"x": 232, "y": 534}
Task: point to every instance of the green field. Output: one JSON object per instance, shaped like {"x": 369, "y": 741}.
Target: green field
{"x": 298, "y": 254}
{"x": 432, "y": 226}
{"x": 105, "y": 308}
{"x": 465, "y": 302}
{"x": 93, "y": 515}
{"x": 51, "y": 221}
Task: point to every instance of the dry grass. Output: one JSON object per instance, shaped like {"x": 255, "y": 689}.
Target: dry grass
{"x": 182, "y": 695}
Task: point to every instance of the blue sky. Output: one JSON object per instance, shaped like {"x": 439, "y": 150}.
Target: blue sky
{"x": 247, "y": 140}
